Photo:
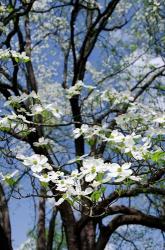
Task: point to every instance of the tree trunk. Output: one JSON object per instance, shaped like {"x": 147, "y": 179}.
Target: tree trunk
{"x": 69, "y": 222}
{"x": 41, "y": 237}
{"x": 51, "y": 230}
{"x": 5, "y": 227}
{"x": 4, "y": 243}
{"x": 88, "y": 236}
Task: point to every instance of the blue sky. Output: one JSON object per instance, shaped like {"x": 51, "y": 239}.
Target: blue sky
{"x": 22, "y": 219}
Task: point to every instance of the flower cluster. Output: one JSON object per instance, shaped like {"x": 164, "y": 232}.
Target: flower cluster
{"x": 93, "y": 171}
{"x": 160, "y": 119}
{"x": 36, "y": 162}
{"x": 3, "y": 8}
{"x": 76, "y": 89}
{"x": 12, "y": 100}
{"x": 133, "y": 137}
{"x": 116, "y": 98}
{"x": 6, "y": 54}
{"x": 39, "y": 109}
{"x": 9, "y": 178}
{"x": 132, "y": 143}
{"x": 140, "y": 117}
{"x": 35, "y": 108}
{"x": 15, "y": 123}
{"x": 42, "y": 142}
{"x": 88, "y": 131}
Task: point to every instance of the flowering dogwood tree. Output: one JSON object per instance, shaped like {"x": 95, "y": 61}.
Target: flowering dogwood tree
{"x": 82, "y": 116}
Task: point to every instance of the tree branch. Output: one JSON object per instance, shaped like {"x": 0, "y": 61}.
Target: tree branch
{"x": 133, "y": 219}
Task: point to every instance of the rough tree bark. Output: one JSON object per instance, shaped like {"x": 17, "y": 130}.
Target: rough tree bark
{"x": 5, "y": 227}
{"x": 41, "y": 236}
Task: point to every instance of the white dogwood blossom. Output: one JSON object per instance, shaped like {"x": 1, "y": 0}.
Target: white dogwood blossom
{"x": 132, "y": 136}
{"x": 120, "y": 172}
{"x": 36, "y": 109}
{"x": 54, "y": 110}
{"x": 82, "y": 118}
{"x": 76, "y": 89}
{"x": 39, "y": 109}
{"x": 8, "y": 177}
{"x": 77, "y": 190}
{"x": 94, "y": 171}
{"x": 89, "y": 131}
{"x": 91, "y": 167}
{"x": 135, "y": 144}
{"x": 116, "y": 137}
{"x": 21, "y": 98}
{"x": 77, "y": 132}
{"x": 3, "y": 8}
{"x": 41, "y": 142}
{"x": 116, "y": 98}
{"x": 16, "y": 123}
{"x": 36, "y": 162}
{"x": 160, "y": 119}
{"x": 6, "y": 54}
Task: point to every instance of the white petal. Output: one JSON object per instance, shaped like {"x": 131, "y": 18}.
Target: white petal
{"x": 59, "y": 202}
{"x": 126, "y": 165}
{"x": 14, "y": 173}
{"x": 120, "y": 179}
{"x": 114, "y": 167}
{"x": 126, "y": 172}
{"x": 90, "y": 177}
{"x": 88, "y": 190}
{"x": 36, "y": 168}
{"x": 43, "y": 159}
{"x": 111, "y": 175}
{"x": 135, "y": 178}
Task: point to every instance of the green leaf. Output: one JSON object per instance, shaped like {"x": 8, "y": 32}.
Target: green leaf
{"x": 71, "y": 202}
{"x": 99, "y": 177}
{"x": 10, "y": 181}
{"x": 160, "y": 87}
{"x": 26, "y": 60}
{"x": 10, "y": 8}
{"x": 133, "y": 47}
{"x": 16, "y": 59}
{"x": 158, "y": 155}
{"x": 91, "y": 142}
{"x": 44, "y": 184}
{"x": 102, "y": 189}
{"x": 96, "y": 196}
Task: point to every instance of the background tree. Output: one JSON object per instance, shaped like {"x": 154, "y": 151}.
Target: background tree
{"x": 82, "y": 99}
